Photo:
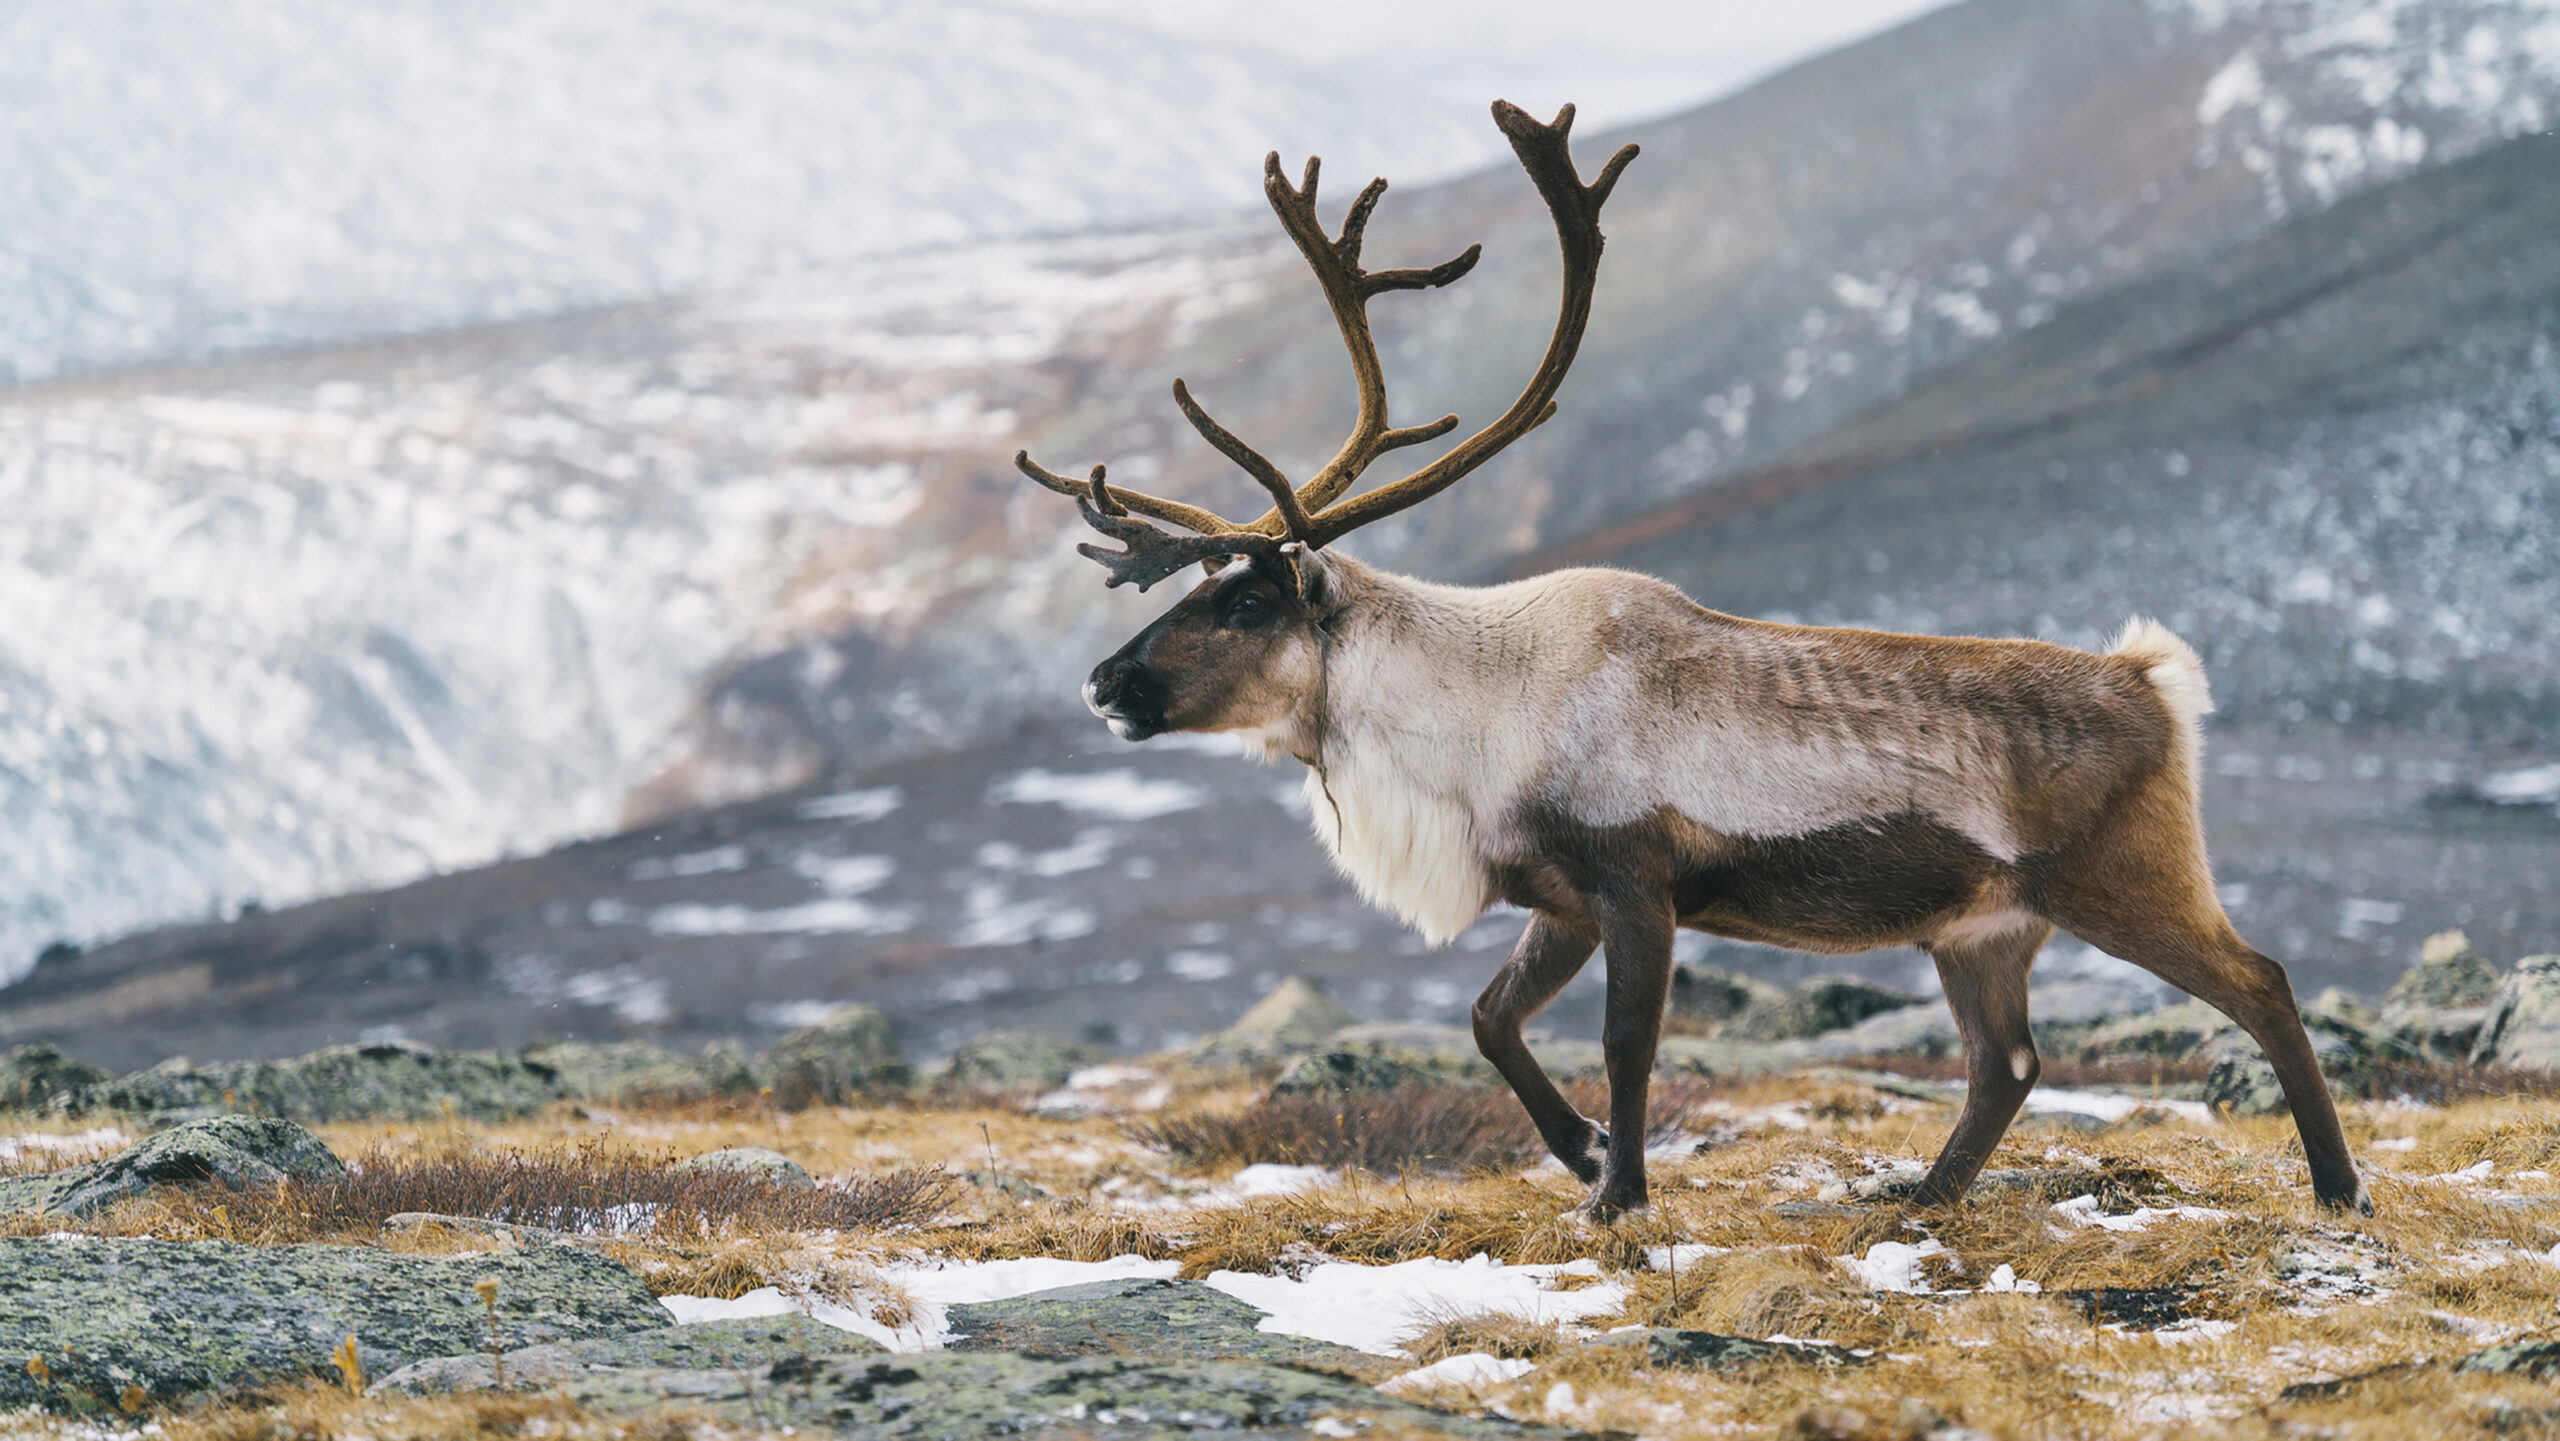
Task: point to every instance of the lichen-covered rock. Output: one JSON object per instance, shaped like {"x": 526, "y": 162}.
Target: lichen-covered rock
{"x": 234, "y": 1152}
{"x": 632, "y": 1072}
{"x": 754, "y": 1346}
{"x": 752, "y": 1161}
{"x": 341, "y": 1083}
{"x": 2528, "y": 1357}
{"x": 2439, "y": 1033}
{"x": 38, "y": 1078}
{"x": 1823, "y": 1004}
{"x": 2241, "y": 1080}
{"x": 176, "y": 1318}
{"x": 2447, "y": 974}
{"x": 1336, "y": 1073}
{"x": 1294, "y": 1018}
{"x": 2171, "y": 1033}
{"x": 1001, "y": 1062}
{"x": 961, "y": 1394}
{"x": 2523, "y": 1027}
{"x": 1711, "y": 1351}
{"x": 849, "y": 1056}
{"x": 1929, "y": 1029}
{"x": 1712, "y": 999}
{"x": 1150, "y": 1319}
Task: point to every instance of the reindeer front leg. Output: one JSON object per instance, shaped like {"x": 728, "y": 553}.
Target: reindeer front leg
{"x": 1636, "y": 929}
{"x": 1551, "y": 952}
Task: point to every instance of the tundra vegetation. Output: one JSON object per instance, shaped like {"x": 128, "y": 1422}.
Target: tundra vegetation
{"x": 2134, "y": 1261}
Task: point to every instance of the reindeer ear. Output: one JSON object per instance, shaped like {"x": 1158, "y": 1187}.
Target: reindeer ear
{"x": 1215, "y": 564}
{"x": 1308, "y": 573}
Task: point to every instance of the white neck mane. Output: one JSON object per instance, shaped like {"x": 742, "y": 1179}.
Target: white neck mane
{"x": 1411, "y": 789}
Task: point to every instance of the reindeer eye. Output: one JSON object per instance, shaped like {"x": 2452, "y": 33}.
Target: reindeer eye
{"x": 1248, "y": 610}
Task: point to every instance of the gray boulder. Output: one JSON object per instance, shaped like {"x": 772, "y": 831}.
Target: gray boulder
{"x": 1007, "y": 1062}
{"x": 1929, "y": 1028}
{"x": 2171, "y": 1033}
{"x": 2448, "y": 973}
{"x": 849, "y": 1056}
{"x": 935, "y": 1396}
{"x": 1710, "y": 1000}
{"x": 755, "y": 1346}
{"x": 2241, "y": 1080}
{"x": 1711, "y": 1351}
{"x": 1294, "y": 1018}
{"x": 750, "y": 1161}
{"x": 1338, "y": 1072}
{"x": 635, "y": 1072}
{"x": 1150, "y": 1319}
{"x": 233, "y": 1151}
{"x": 178, "y": 1318}
{"x": 2523, "y": 1024}
{"x": 342, "y": 1083}
{"x": 1819, "y": 1006}
{"x": 39, "y": 1078}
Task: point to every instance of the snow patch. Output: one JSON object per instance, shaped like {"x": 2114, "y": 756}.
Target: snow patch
{"x": 1120, "y": 795}
{"x": 1378, "y": 1308}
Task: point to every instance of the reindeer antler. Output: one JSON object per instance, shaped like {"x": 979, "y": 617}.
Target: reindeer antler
{"x": 1308, "y": 513}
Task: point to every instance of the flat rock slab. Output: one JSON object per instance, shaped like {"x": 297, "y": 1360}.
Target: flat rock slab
{"x": 752, "y": 1347}
{"x": 1152, "y": 1320}
{"x": 1713, "y": 1351}
{"x": 957, "y": 1396}
{"x": 179, "y": 1317}
{"x": 2136, "y": 1308}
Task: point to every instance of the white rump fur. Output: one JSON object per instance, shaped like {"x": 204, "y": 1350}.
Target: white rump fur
{"x": 1605, "y": 697}
{"x": 2175, "y": 671}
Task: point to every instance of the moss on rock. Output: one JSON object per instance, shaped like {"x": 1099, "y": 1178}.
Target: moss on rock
{"x": 177, "y": 1318}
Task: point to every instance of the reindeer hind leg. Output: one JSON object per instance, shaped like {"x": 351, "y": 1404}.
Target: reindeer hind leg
{"x": 2142, "y": 892}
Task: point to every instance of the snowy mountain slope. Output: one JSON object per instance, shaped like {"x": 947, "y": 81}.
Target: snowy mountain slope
{"x": 198, "y": 180}
{"x": 285, "y": 629}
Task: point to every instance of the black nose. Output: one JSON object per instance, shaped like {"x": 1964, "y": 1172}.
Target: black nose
{"x": 1127, "y": 694}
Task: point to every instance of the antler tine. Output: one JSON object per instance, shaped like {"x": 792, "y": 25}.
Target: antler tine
{"x": 1545, "y": 152}
{"x": 1335, "y": 259}
{"x": 1285, "y": 498}
{"x": 1189, "y": 517}
{"x": 1151, "y": 554}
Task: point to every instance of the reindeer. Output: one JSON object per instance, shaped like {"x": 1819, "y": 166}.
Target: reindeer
{"x": 1595, "y": 748}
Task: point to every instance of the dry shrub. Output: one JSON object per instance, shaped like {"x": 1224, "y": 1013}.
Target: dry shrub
{"x": 1068, "y": 1230}
{"x": 1411, "y": 1128}
{"x": 1793, "y": 1290}
{"x": 2127, "y": 1073}
{"x": 1495, "y": 1333}
{"x": 589, "y": 1188}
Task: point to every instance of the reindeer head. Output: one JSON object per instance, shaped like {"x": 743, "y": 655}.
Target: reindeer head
{"x": 1243, "y": 651}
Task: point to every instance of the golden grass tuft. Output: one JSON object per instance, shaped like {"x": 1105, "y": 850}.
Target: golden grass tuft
{"x": 590, "y": 1187}
{"x": 1441, "y": 1128}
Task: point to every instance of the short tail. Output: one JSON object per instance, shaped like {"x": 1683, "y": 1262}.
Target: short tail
{"x": 2171, "y": 666}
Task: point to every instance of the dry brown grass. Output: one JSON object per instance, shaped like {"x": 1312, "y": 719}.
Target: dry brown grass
{"x": 2437, "y": 1274}
{"x": 587, "y": 1188}
{"x": 1411, "y": 1128}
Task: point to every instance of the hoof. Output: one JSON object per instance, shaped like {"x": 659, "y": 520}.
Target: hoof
{"x": 1598, "y": 1210}
{"x": 2358, "y": 1201}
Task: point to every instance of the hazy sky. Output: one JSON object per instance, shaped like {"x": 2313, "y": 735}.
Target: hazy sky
{"x": 1617, "y": 60}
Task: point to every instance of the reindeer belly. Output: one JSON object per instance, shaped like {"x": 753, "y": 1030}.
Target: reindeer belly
{"x": 1845, "y": 888}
